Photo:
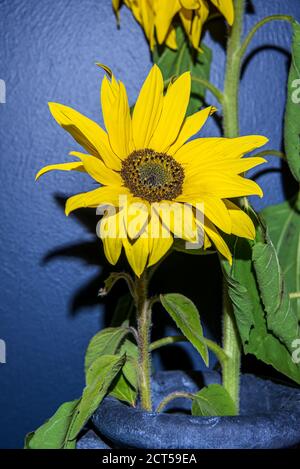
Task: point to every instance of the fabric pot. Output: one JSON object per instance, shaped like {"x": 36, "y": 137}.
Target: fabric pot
{"x": 269, "y": 417}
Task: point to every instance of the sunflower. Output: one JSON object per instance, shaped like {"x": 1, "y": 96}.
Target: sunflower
{"x": 153, "y": 178}
{"x": 157, "y": 15}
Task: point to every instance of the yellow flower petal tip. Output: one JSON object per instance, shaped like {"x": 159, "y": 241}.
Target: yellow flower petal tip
{"x": 151, "y": 158}
{"x": 105, "y": 68}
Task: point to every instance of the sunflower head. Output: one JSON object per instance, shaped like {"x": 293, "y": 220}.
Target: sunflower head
{"x": 152, "y": 176}
{"x": 156, "y": 17}
{"x": 154, "y": 181}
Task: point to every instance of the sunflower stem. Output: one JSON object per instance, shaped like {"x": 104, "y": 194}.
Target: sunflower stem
{"x": 143, "y": 329}
{"x": 256, "y": 27}
{"x": 231, "y": 340}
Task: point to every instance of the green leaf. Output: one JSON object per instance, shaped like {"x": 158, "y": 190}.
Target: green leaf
{"x": 185, "y": 58}
{"x": 211, "y": 401}
{"x": 105, "y": 342}
{"x": 292, "y": 113}
{"x": 99, "y": 378}
{"x": 281, "y": 318}
{"x": 283, "y": 223}
{"x": 250, "y": 314}
{"x": 53, "y": 434}
{"x": 186, "y": 315}
{"x": 126, "y": 385}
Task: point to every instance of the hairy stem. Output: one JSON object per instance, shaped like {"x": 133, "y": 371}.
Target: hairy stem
{"x": 208, "y": 85}
{"x": 171, "y": 397}
{"x": 258, "y": 25}
{"x": 144, "y": 326}
{"x": 215, "y": 348}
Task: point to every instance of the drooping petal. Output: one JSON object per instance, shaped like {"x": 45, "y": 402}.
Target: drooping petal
{"x": 160, "y": 240}
{"x": 116, "y": 115}
{"x": 93, "y": 199}
{"x": 217, "y": 239}
{"x": 74, "y": 166}
{"x": 226, "y": 8}
{"x": 171, "y": 40}
{"x": 165, "y": 12}
{"x": 86, "y": 132}
{"x": 213, "y": 208}
{"x": 178, "y": 218}
{"x": 137, "y": 252}
{"x": 110, "y": 235}
{"x": 173, "y": 112}
{"x": 190, "y": 127}
{"x": 242, "y": 225}
{"x": 190, "y": 4}
{"x": 97, "y": 170}
{"x": 148, "y": 108}
{"x": 147, "y": 14}
{"x": 136, "y": 218}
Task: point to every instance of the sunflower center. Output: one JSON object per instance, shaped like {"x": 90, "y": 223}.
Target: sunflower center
{"x": 152, "y": 176}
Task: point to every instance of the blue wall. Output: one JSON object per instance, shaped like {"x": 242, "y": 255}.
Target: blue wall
{"x": 47, "y": 53}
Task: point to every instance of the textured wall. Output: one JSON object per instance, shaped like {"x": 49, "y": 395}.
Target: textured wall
{"x": 48, "y": 309}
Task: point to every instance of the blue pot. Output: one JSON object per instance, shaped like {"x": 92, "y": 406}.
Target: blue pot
{"x": 269, "y": 417}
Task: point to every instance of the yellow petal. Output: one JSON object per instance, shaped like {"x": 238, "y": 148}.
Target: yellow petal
{"x": 202, "y": 150}
{"x": 137, "y": 252}
{"x": 173, "y": 112}
{"x": 217, "y": 239}
{"x": 148, "y": 108}
{"x": 86, "y": 132}
{"x": 226, "y": 8}
{"x": 242, "y": 225}
{"x": 178, "y": 218}
{"x": 190, "y": 4}
{"x": 109, "y": 233}
{"x": 222, "y": 186}
{"x": 213, "y": 208}
{"x": 97, "y": 169}
{"x": 147, "y": 19}
{"x": 171, "y": 40}
{"x": 116, "y": 5}
{"x": 160, "y": 240}
{"x": 226, "y": 166}
{"x": 116, "y": 114}
{"x": 166, "y": 10}
{"x": 190, "y": 127}
{"x": 74, "y": 166}
{"x": 95, "y": 198}
{"x": 136, "y": 216}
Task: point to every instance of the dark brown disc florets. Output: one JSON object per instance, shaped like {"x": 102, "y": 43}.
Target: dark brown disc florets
{"x": 152, "y": 176}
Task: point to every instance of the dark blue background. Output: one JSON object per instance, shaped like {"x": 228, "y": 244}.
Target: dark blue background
{"x": 48, "y": 304}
